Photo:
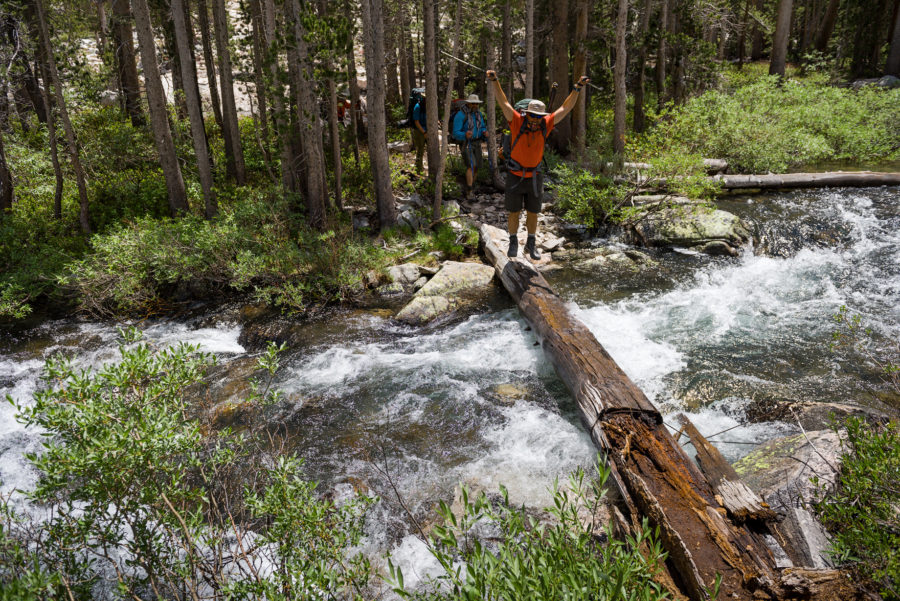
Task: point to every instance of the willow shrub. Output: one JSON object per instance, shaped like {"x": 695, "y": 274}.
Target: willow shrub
{"x": 771, "y": 125}
{"x": 145, "y": 501}
{"x": 496, "y": 551}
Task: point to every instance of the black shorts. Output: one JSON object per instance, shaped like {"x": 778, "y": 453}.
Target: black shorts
{"x": 527, "y": 191}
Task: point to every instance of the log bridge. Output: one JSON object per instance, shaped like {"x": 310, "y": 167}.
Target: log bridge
{"x": 711, "y": 525}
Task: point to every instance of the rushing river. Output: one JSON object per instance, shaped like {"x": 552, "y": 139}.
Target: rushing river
{"x": 476, "y": 401}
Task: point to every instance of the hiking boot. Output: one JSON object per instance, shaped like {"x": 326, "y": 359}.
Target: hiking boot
{"x": 531, "y": 249}
{"x": 513, "y": 246}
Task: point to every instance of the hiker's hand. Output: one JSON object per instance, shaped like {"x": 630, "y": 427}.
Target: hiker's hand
{"x": 491, "y": 75}
{"x": 468, "y": 135}
{"x": 584, "y": 80}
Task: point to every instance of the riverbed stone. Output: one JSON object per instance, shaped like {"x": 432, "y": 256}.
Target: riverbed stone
{"x": 405, "y": 274}
{"x": 710, "y": 231}
{"x": 780, "y": 471}
{"x": 454, "y": 286}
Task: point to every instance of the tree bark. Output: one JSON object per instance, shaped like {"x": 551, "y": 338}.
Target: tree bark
{"x": 661, "y": 51}
{"x": 406, "y": 82}
{"x": 757, "y": 41}
{"x": 126, "y": 64}
{"x": 559, "y": 71}
{"x": 445, "y": 124}
{"x": 281, "y": 117}
{"x": 639, "y": 123}
{"x": 892, "y": 67}
{"x": 210, "y": 63}
{"x": 429, "y": 9}
{"x": 25, "y": 88}
{"x": 619, "y": 74}
{"x": 506, "y": 52}
{"x": 156, "y": 102}
{"x": 235, "y": 160}
{"x": 529, "y": 49}
{"x": 256, "y": 21}
{"x": 373, "y": 35}
{"x": 51, "y": 129}
{"x": 354, "y": 99}
{"x": 74, "y": 154}
{"x": 6, "y": 184}
{"x": 490, "y": 103}
{"x": 195, "y": 111}
{"x": 780, "y": 39}
{"x": 335, "y": 144}
{"x": 171, "y": 54}
{"x": 827, "y": 26}
{"x": 391, "y": 71}
{"x": 579, "y": 113}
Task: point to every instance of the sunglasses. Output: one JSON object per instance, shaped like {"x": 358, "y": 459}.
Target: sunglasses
{"x": 533, "y": 116}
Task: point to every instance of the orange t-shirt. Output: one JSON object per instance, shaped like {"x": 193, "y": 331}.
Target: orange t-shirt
{"x": 529, "y": 150}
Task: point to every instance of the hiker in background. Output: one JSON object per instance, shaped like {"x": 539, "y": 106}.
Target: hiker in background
{"x": 524, "y": 179}
{"x": 419, "y": 128}
{"x": 468, "y": 129}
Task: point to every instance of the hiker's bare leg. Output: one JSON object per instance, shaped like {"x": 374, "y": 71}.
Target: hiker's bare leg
{"x": 531, "y": 220}
{"x": 513, "y": 223}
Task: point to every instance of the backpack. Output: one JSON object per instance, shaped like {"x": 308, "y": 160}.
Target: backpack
{"x": 416, "y": 96}
{"x": 455, "y": 107}
{"x": 507, "y": 143}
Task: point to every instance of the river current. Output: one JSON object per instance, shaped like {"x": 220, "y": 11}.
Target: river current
{"x": 475, "y": 401}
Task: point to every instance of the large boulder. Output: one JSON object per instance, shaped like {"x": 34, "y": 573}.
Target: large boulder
{"x": 713, "y": 231}
{"x": 781, "y": 472}
{"x": 454, "y": 286}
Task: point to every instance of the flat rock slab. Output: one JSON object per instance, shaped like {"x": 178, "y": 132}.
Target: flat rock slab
{"x": 713, "y": 232}
{"x": 454, "y": 286}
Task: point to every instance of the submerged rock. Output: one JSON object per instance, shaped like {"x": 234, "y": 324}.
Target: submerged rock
{"x": 454, "y": 286}
{"x": 780, "y": 471}
{"x": 713, "y": 232}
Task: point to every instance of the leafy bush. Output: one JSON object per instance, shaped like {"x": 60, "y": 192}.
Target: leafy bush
{"x": 529, "y": 560}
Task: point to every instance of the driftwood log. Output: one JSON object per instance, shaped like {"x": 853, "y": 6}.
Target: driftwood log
{"x": 650, "y": 471}
{"x": 833, "y": 179}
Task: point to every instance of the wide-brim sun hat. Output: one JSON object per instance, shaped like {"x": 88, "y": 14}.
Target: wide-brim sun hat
{"x": 473, "y": 99}
{"x": 536, "y": 107}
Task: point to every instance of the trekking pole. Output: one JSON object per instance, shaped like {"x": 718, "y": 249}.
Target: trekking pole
{"x": 461, "y": 60}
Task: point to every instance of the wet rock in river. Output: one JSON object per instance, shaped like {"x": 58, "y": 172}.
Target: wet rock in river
{"x": 713, "y": 232}
{"x": 449, "y": 290}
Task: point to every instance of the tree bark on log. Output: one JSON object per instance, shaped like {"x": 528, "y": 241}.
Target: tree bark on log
{"x": 809, "y": 180}
{"x": 651, "y": 471}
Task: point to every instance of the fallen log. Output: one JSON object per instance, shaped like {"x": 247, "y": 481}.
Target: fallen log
{"x": 653, "y": 475}
{"x": 832, "y": 179}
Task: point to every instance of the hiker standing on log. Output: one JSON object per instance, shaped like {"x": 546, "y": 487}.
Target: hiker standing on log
{"x": 524, "y": 179}
{"x": 468, "y": 129}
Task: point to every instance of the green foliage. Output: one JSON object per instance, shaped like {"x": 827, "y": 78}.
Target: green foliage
{"x": 765, "y": 124}
{"x": 526, "y": 559}
{"x": 862, "y": 513}
{"x": 135, "y": 487}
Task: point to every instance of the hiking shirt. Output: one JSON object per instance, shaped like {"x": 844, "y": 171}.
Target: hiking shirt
{"x": 529, "y": 150}
{"x": 465, "y": 121}
{"x": 419, "y": 115}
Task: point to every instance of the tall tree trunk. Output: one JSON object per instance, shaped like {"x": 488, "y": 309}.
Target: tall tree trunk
{"x": 490, "y": 103}
{"x": 47, "y": 103}
{"x": 406, "y": 84}
{"x": 126, "y": 65}
{"x": 827, "y": 26}
{"x": 282, "y": 120}
{"x": 757, "y": 40}
{"x": 156, "y": 103}
{"x": 619, "y": 74}
{"x": 354, "y": 99}
{"x": 391, "y": 71}
{"x": 210, "y": 63}
{"x": 429, "y": 10}
{"x": 310, "y": 128}
{"x": 373, "y": 36}
{"x": 661, "y": 51}
{"x": 195, "y": 111}
{"x": 445, "y": 125}
{"x": 335, "y": 144}
{"x": 529, "y": 49}
{"x": 171, "y": 53}
{"x": 74, "y": 154}
{"x": 742, "y": 37}
{"x": 256, "y": 18}
{"x": 4, "y": 106}
{"x": 780, "y": 39}
{"x": 506, "y": 52}
{"x": 579, "y": 113}
{"x": 639, "y": 124}
{"x": 6, "y": 183}
{"x": 559, "y": 71}
{"x": 892, "y": 67}
{"x": 235, "y": 160}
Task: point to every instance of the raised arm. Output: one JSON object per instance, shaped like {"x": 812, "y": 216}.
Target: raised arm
{"x": 570, "y": 102}
{"x": 508, "y": 111}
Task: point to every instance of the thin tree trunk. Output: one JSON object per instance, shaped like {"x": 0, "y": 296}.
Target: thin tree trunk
{"x": 310, "y": 128}
{"x": 171, "y": 53}
{"x": 827, "y": 26}
{"x": 490, "y": 102}
{"x": 354, "y": 100}
{"x": 742, "y": 37}
{"x": 661, "y": 51}
{"x": 256, "y": 17}
{"x": 406, "y": 84}
{"x": 156, "y": 102}
{"x": 335, "y": 144}
{"x": 780, "y": 40}
{"x": 4, "y": 106}
{"x": 758, "y": 42}
{"x": 579, "y": 113}
{"x": 126, "y": 65}
{"x": 210, "y": 63}
{"x": 391, "y": 71}
{"x": 6, "y": 184}
{"x": 74, "y": 154}
{"x": 639, "y": 124}
{"x": 506, "y": 52}
{"x": 47, "y": 103}
{"x": 234, "y": 160}
{"x": 195, "y": 111}
{"x": 619, "y": 74}
{"x": 559, "y": 71}
{"x": 373, "y": 35}
{"x": 529, "y": 49}
{"x": 892, "y": 67}
{"x": 429, "y": 9}
{"x": 445, "y": 125}
{"x": 282, "y": 121}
